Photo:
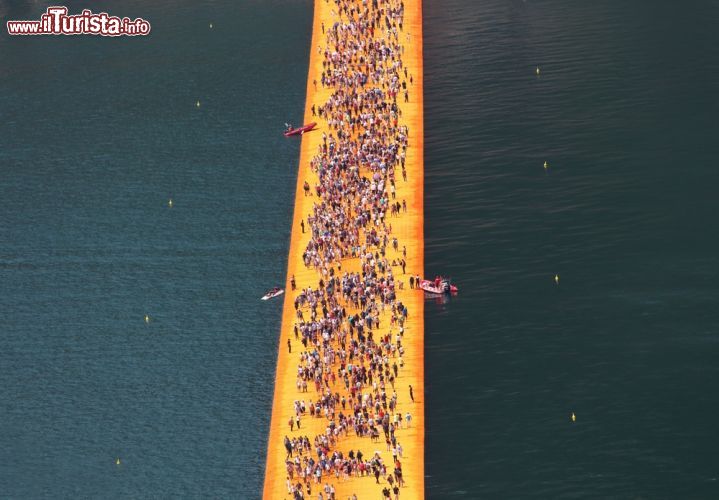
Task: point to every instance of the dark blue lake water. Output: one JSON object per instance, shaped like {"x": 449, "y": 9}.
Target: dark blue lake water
{"x": 97, "y": 135}
{"x": 625, "y": 113}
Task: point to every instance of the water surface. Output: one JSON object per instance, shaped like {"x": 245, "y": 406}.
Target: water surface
{"x": 624, "y": 112}
{"x": 97, "y": 134}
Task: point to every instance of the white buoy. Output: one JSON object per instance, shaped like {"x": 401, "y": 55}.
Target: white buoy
{"x": 556, "y": 279}
{"x": 169, "y": 203}
{"x": 546, "y": 165}
{"x": 117, "y": 462}
{"x": 574, "y": 417}
{"x": 147, "y": 318}
{"x": 210, "y": 25}
{"x": 537, "y": 70}
{"x": 197, "y": 104}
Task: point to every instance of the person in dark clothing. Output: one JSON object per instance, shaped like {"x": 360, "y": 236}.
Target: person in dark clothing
{"x": 288, "y": 447}
{"x": 411, "y": 393}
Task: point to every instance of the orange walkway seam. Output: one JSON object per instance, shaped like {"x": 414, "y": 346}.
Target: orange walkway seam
{"x": 408, "y": 229}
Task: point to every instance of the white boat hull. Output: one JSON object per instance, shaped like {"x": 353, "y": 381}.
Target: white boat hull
{"x": 272, "y": 295}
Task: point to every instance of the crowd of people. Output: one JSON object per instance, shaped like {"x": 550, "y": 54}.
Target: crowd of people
{"x": 351, "y": 359}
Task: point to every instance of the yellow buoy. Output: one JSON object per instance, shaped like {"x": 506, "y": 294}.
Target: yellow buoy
{"x": 147, "y": 318}
{"x": 546, "y": 165}
{"x": 169, "y": 203}
{"x": 556, "y": 279}
{"x": 574, "y": 417}
{"x": 117, "y": 462}
{"x": 197, "y": 104}
{"x": 537, "y": 70}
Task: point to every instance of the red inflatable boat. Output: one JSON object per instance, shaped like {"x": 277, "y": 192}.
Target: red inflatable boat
{"x": 290, "y": 131}
{"x": 438, "y": 286}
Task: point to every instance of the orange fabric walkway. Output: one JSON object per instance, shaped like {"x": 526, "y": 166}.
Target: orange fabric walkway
{"x": 408, "y": 228}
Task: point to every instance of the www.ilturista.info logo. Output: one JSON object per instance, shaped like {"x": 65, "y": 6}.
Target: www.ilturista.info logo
{"x": 56, "y": 22}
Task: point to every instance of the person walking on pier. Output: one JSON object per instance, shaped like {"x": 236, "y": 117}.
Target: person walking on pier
{"x": 398, "y": 473}
{"x": 289, "y": 346}
{"x": 288, "y": 447}
{"x": 411, "y": 393}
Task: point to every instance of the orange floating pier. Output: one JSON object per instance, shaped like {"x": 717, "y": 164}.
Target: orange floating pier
{"x": 407, "y": 227}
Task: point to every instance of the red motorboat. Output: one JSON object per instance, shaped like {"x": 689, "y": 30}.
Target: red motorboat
{"x": 290, "y": 130}
{"x": 438, "y": 286}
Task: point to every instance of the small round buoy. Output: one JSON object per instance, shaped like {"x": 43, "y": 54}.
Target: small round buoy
{"x": 117, "y": 462}
{"x": 147, "y": 318}
{"x": 546, "y": 165}
{"x": 537, "y": 70}
{"x": 210, "y": 25}
{"x": 169, "y": 203}
{"x": 574, "y": 417}
{"x": 556, "y": 279}
{"x": 197, "y": 104}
